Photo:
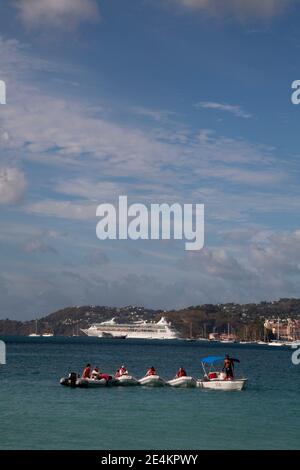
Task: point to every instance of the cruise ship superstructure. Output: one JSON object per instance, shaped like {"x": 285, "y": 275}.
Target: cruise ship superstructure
{"x": 139, "y": 329}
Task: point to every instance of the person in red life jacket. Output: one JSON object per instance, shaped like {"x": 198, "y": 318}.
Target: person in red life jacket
{"x": 181, "y": 373}
{"x": 151, "y": 371}
{"x": 121, "y": 371}
{"x": 86, "y": 372}
{"x": 96, "y": 373}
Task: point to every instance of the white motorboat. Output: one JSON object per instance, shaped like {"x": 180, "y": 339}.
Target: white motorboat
{"x": 216, "y": 380}
{"x": 126, "y": 380}
{"x": 47, "y": 335}
{"x": 183, "y": 382}
{"x": 152, "y": 381}
{"x": 221, "y": 384}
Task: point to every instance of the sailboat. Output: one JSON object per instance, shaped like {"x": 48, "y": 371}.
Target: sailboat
{"x": 77, "y": 330}
{"x": 36, "y": 329}
{"x": 277, "y": 342}
{"x": 228, "y": 340}
{"x": 191, "y": 338}
{"x": 245, "y": 340}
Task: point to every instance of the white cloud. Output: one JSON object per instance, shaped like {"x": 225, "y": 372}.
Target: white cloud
{"x": 158, "y": 115}
{"x": 63, "y": 14}
{"x": 233, "y": 109}
{"x": 38, "y": 246}
{"x": 12, "y": 185}
{"x": 240, "y": 8}
{"x": 63, "y": 209}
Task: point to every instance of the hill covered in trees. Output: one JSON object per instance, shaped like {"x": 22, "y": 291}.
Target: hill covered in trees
{"x": 244, "y": 319}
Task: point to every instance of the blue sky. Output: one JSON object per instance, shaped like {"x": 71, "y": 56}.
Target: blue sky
{"x": 164, "y": 101}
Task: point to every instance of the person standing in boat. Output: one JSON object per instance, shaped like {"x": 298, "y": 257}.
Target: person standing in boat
{"x": 228, "y": 367}
{"x": 181, "y": 373}
{"x": 86, "y": 372}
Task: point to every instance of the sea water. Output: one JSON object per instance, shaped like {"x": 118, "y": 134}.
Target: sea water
{"x": 36, "y": 412}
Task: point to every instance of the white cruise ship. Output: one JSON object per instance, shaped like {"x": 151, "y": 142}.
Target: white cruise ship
{"x": 140, "y": 329}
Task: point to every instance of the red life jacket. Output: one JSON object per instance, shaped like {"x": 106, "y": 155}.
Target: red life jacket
{"x": 86, "y": 373}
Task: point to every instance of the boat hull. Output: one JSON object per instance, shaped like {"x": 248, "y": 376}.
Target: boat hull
{"x": 85, "y": 383}
{"x": 152, "y": 381}
{"x": 93, "y": 383}
{"x": 225, "y": 385}
{"x": 183, "y": 382}
{"x": 126, "y": 381}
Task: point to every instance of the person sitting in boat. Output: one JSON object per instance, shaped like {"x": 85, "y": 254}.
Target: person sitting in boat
{"x": 121, "y": 371}
{"x": 96, "y": 373}
{"x": 181, "y": 373}
{"x": 86, "y": 372}
{"x": 151, "y": 371}
{"x": 228, "y": 367}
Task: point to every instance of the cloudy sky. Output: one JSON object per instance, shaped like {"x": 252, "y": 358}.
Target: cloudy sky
{"x": 163, "y": 101}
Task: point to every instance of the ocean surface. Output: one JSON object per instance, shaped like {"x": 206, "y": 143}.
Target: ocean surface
{"x": 36, "y": 412}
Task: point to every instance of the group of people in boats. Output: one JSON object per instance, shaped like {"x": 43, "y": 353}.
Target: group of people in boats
{"x": 180, "y": 373}
{"x": 96, "y": 374}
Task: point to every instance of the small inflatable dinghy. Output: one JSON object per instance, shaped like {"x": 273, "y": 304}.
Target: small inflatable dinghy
{"x": 126, "y": 380}
{"x": 90, "y": 383}
{"x": 183, "y": 382}
{"x": 74, "y": 381}
{"x": 152, "y": 381}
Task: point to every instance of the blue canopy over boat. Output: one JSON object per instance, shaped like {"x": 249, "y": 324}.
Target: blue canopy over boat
{"x": 212, "y": 359}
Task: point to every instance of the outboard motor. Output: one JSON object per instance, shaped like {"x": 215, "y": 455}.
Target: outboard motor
{"x": 73, "y": 379}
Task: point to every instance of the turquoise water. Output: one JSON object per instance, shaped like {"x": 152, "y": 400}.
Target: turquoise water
{"x": 36, "y": 412}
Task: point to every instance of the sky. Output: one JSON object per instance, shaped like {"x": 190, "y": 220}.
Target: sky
{"x": 168, "y": 101}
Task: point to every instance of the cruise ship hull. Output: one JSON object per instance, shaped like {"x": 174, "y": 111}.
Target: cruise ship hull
{"x": 132, "y": 335}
